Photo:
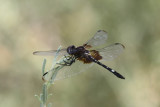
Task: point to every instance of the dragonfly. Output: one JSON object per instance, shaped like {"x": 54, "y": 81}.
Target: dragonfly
{"x": 89, "y": 52}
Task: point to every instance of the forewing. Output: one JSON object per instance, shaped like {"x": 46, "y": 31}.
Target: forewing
{"x": 112, "y": 51}
{"x": 99, "y": 38}
{"x": 50, "y": 53}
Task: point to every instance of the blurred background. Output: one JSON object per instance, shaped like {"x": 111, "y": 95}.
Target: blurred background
{"x": 30, "y": 25}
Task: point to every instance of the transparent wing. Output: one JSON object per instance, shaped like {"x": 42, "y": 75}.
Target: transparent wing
{"x": 50, "y": 53}
{"x": 99, "y": 38}
{"x": 69, "y": 71}
{"x": 73, "y": 70}
{"x": 112, "y": 51}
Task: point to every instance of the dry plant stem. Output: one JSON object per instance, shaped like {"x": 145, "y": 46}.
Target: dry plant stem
{"x": 53, "y": 72}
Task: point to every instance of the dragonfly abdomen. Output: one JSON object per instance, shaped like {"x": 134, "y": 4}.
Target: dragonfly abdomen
{"x": 108, "y": 68}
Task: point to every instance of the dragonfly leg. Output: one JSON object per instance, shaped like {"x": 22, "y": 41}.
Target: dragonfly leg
{"x": 68, "y": 61}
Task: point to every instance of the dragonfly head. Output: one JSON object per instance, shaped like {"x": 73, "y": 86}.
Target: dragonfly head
{"x": 71, "y": 50}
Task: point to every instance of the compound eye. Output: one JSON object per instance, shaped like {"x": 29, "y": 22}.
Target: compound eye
{"x": 73, "y": 47}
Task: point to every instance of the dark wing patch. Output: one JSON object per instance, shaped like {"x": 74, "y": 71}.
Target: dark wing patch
{"x": 86, "y": 59}
{"x": 86, "y": 46}
{"x": 95, "y": 54}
